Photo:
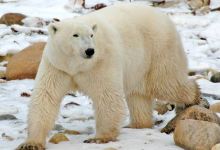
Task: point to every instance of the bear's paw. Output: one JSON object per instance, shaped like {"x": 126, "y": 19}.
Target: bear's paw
{"x": 30, "y": 146}
{"x": 99, "y": 140}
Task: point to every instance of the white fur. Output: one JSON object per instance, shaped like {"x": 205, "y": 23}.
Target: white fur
{"x": 138, "y": 57}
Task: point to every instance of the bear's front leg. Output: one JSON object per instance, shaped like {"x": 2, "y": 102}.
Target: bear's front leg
{"x": 110, "y": 111}
{"x": 51, "y": 86}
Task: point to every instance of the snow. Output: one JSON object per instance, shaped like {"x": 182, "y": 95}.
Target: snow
{"x": 200, "y": 35}
{"x": 75, "y": 117}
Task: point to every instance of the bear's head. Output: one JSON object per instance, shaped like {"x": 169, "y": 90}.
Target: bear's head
{"x": 71, "y": 46}
{"x": 73, "y": 38}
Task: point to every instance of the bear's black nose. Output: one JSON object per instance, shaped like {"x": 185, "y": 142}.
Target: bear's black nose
{"x": 89, "y": 52}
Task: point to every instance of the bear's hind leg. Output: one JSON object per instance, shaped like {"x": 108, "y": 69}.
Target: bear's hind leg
{"x": 182, "y": 92}
{"x": 188, "y": 94}
{"x": 140, "y": 109}
{"x": 192, "y": 97}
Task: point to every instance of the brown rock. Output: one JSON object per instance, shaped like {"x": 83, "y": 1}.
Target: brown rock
{"x": 99, "y": 6}
{"x": 25, "y": 63}
{"x": 203, "y": 102}
{"x": 215, "y": 107}
{"x": 12, "y": 18}
{"x": 73, "y": 132}
{"x": 25, "y": 94}
{"x": 57, "y": 138}
{"x": 193, "y": 112}
{"x": 196, "y": 135}
{"x": 197, "y": 4}
{"x": 163, "y": 107}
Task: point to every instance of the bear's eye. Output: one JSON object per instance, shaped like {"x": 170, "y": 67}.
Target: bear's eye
{"x": 76, "y": 35}
{"x": 91, "y": 35}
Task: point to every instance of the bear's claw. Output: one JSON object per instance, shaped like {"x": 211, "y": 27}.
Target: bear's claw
{"x": 99, "y": 140}
{"x": 30, "y": 146}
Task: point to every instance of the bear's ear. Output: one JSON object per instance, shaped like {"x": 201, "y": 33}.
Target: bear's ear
{"x": 52, "y": 29}
{"x": 94, "y": 27}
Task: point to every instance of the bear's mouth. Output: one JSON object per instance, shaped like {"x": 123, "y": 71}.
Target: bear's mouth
{"x": 86, "y": 56}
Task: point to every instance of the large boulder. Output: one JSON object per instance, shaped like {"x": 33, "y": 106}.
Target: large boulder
{"x": 12, "y": 18}
{"x": 196, "y": 135}
{"x": 193, "y": 112}
{"x": 24, "y": 65}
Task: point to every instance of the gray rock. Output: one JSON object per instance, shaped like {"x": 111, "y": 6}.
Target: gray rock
{"x": 216, "y": 77}
{"x": 58, "y": 127}
{"x": 7, "y": 117}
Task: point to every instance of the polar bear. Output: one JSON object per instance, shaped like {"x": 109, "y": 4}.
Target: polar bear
{"x": 125, "y": 55}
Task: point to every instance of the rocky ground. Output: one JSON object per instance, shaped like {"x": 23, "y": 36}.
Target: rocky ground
{"x": 200, "y": 35}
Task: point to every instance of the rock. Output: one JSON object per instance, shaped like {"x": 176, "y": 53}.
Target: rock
{"x": 7, "y": 117}
{"x": 110, "y": 148}
{"x": 203, "y": 10}
{"x": 2, "y": 81}
{"x": 73, "y": 132}
{"x": 196, "y": 135}
{"x": 158, "y": 2}
{"x": 2, "y": 74}
{"x": 215, "y": 107}
{"x": 25, "y": 64}
{"x": 99, "y": 6}
{"x": 163, "y": 107}
{"x": 57, "y": 138}
{"x": 215, "y": 77}
{"x": 7, "y": 137}
{"x": 216, "y": 147}
{"x": 12, "y": 18}
{"x": 25, "y": 94}
{"x": 191, "y": 73}
{"x": 158, "y": 122}
{"x": 70, "y": 104}
{"x": 58, "y": 127}
{"x": 203, "y": 103}
{"x": 197, "y": 4}
{"x": 193, "y": 112}
{"x": 72, "y": 94}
